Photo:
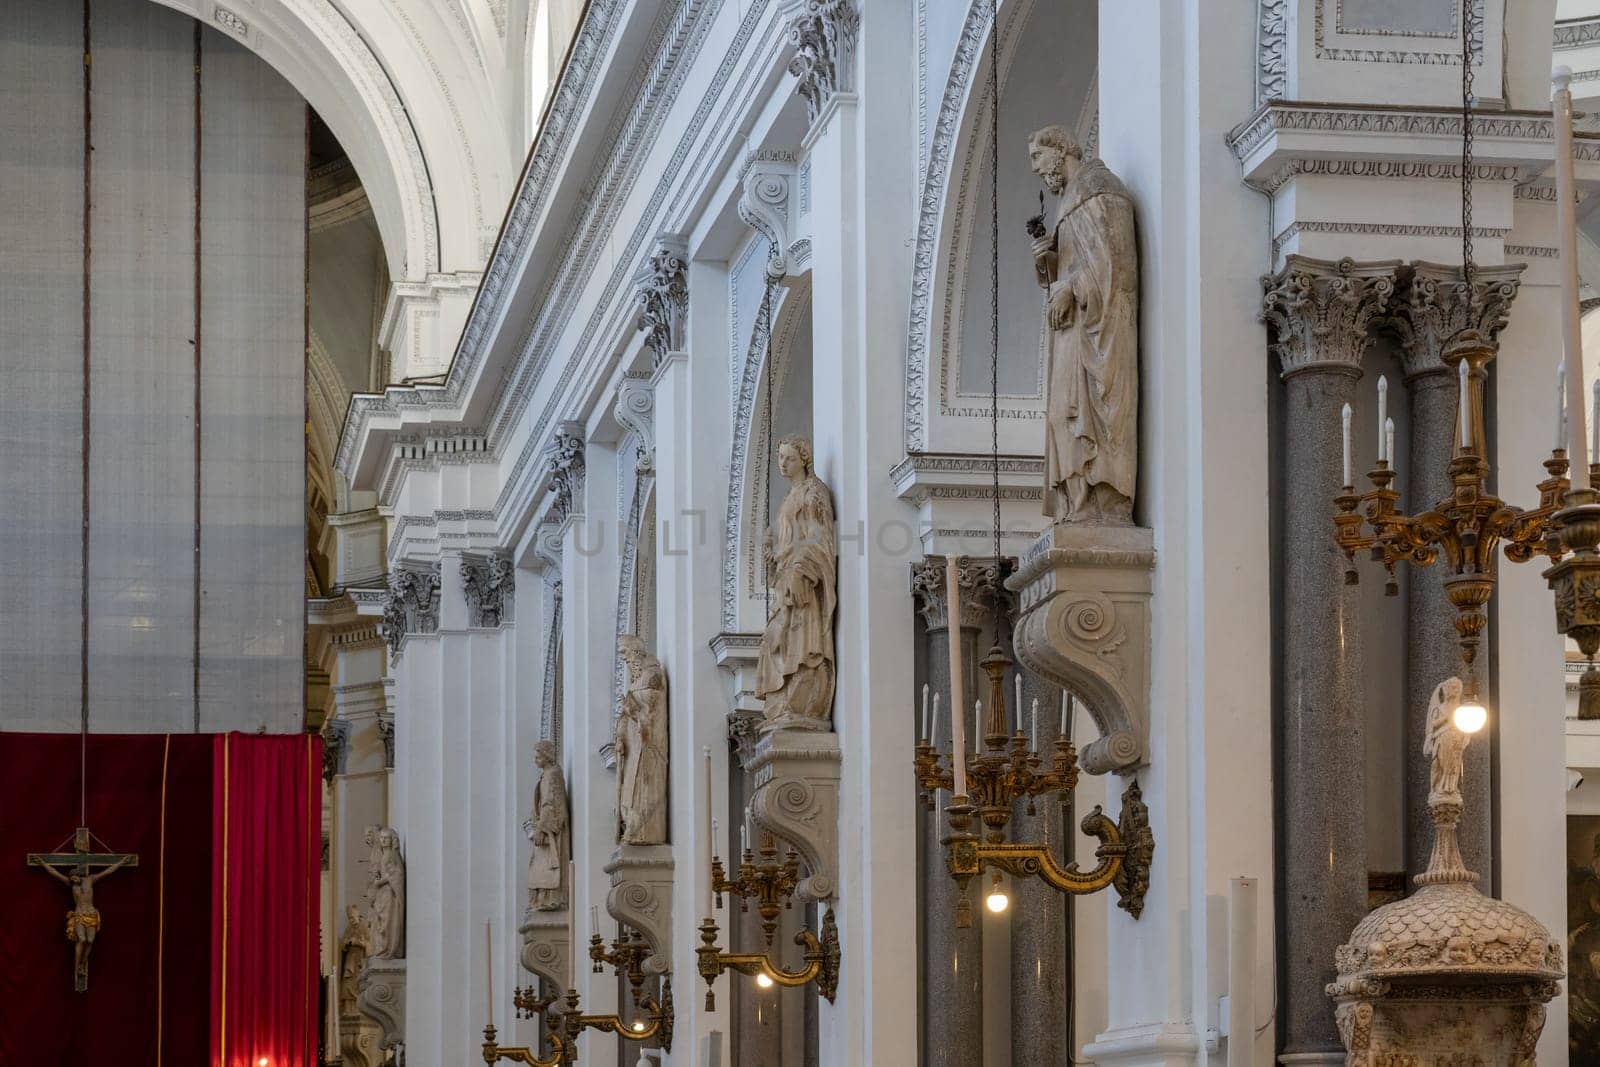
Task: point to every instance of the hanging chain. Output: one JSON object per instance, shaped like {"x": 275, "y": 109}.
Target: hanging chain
{"x": 994, "y": 271}
{"x": 1468, "y": 29}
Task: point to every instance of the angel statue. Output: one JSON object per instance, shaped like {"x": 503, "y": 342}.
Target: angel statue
{"x": 1444, "y": 745}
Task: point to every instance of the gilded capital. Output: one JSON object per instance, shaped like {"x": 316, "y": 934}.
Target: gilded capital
{"x": 978, "y": 580}
{"x": 1321, "y": 310}
{"x": 1434, "y": 305}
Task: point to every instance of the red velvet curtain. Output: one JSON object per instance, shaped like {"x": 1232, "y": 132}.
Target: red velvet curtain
{"x": 149, "y": 971}
{"x": 266, "y": 848}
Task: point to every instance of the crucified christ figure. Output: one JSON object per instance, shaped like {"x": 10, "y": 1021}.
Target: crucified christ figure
{"x": 84, "y": 918}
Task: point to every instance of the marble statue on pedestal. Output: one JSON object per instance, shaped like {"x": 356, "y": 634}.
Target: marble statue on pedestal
{"x": 795, "y": 672}
{"x": 546, "y": 827}
{"x": 641, "y": 745}
{"x": 387, "y": 870}
{"x": 1445, "y": 746}
{"x": 1088, "y": 265}
{"x": 353, "y": 951}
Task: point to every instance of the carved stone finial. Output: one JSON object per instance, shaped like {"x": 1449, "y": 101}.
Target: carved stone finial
{"x": 979, "y": 581}
{"x": 1320, "y": 310}
{"x": 412, "y": 604}
{"x": 564, "y": 459}
{"x": 664, "y": 300}
{"x": 1434, "y": 306}
{"x": 489, "y": 585}
{"x": 824, "y": 39}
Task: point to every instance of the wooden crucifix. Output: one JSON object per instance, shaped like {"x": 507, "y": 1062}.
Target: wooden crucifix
{"x": 76, "y": 871}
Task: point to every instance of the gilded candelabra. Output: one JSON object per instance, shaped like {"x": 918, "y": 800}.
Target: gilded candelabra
{"x": 626, "y": 955}
{"x": 567, "y": 1024}
{"x": 1471, "y": 524}
{"x": 821, "y": 960}
{"x": 763, "y": 878}
{"x": 529, "y": 1003}
{"x": 1008, "y": 770}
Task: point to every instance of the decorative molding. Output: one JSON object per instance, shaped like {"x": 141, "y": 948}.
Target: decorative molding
{"x": 824, "y": 39}
{"x": 765, "y": 187}
{"x": 925, "y": 476}
{"x": 1576, "y": 33}
{"x": 1434, "y": 306}
{"x": 978, "y": 580}
{"x": 1281, "y": 116}
{"x": 489, "y": 584}
{"x": 663, "y": 286}
{"x": 1319, "y": 310}
{"x": 1386, "y": 229}
{"x": 1272, "y": 50}
{"x": 231, "y": 22}
{"x": 1445, "y": 54}
{"x": 1532, "y": 252}
{"x": 564, "y": 462}
{"x": 1383, "y": 168}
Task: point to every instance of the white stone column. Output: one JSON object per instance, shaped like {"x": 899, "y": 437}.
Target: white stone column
{"x": 691, "y": 413}
{"x": 861, "y": 180}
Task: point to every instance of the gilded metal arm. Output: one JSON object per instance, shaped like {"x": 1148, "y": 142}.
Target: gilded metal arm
{"x": 626, "y": 955}
{"x": 821, "y": 960}
{"x": 656, "y": 1023}
{"x": 493, "y": 1052}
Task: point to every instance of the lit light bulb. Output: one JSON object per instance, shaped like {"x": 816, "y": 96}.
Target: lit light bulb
{"x": 997, "y": 901}
{"x": 764, "y": 981}
{"x": 638, "y": 1025}
{"x": 1470, "y": 717}
{"x": 263, "y": 1062}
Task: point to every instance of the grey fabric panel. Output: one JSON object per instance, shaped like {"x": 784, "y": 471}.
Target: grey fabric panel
{"x": 141, "y": 456}
{"x": 41, "y": 354}
{"x": 252, "y": 559}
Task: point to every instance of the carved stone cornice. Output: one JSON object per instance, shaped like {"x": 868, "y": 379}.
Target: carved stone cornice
{"x": 335, "y": 748}
{"x": 635, "y": 411}
{"x": 564, "y": 460}
{"x": 489, "y": 584}
{"x": 663, "y": 287}
{"x": 976, "y": 577}
{"x": 824, "y": 38}
{"x": 1434, "y": 306}
{"x": 412, "y": 604}
{"x": 1320, "y": 310}
{"x": 766, "y": 203}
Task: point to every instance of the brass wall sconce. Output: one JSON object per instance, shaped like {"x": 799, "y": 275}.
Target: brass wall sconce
{"x": 821, "y": 961}
{"x": 1009, "y": 769}
{"x": 566, "y": 1025}
{"x": 493, "y": 1052}
{"x": 768, "y": 881}
{"x": 626, "y": 955}
{"x": 528, "y": 1002}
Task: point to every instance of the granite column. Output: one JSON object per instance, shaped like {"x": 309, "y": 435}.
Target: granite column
{"x": 1320, "y": 313}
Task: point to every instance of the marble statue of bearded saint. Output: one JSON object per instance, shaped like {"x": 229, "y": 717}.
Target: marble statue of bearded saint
{"x": 1088, "y": 265}
{"x": 353, "y": 951}
{"x": 795, "y": 673}
{"x": 388, "y": 874}
{"x": 641, "y": 745}
{"x": 1444, "y": 745}
{"x": 546, "y": 827}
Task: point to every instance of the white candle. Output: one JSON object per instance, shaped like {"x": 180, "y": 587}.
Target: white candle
{"x": 924, "y": 711}
{"x": 1561, "y": 406}
{"x": 1567, "y": 235}
{"x": 1018, "y": 680}
{"x": 1036, "y": 724}
{"x": 1388, "y": 439}
{"x": 977, "y": 724}
{"x": 1594, "y": 422}
{"x": 1466, "y": 429}
{"x": 1345, "y": 416}
{"x": 711, "y": 890}
{"x": 958, "y": 726}
{"x": 744, "y": 839}
{"x": 1066, "y": 709}
{"x": 572, "y": 927}
{"x": 594, "y": 920}
{"x": 1383, "y": 415}
{"x": 933, "y": 739}
{"x": 488, "y": 965}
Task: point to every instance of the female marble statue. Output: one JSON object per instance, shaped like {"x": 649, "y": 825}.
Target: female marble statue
{"x": 1444, "y": 745}
{"x": 641, "y": 744}
{"x": 546, "y": 827}
{"x": 353, "y": 950}
{"x": 388, "y": 873}
{"x": 1088, "y": 265}
{"x": 795, "y": 674}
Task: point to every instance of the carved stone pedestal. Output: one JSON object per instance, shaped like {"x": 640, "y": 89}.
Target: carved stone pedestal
{"x": 1083, "y": 622}
{"x": 546, "y": 936}
{"x": 383, "y": 999}
{"x": 641, "y": 896}
{"x": 796, "y": 799}
{"x": 360, "y": 1040}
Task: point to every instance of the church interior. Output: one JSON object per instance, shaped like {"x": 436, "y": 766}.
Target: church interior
{"x": 853, "y": 391}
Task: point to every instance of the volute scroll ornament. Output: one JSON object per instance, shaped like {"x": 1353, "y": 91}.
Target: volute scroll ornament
{"x": 796, "y": 799}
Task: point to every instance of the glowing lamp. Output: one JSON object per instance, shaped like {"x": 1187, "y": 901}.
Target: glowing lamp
{"x": 1470, "y": 717}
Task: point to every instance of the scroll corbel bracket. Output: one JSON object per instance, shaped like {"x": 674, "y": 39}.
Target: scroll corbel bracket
{"x": 641, "y": 897}
{"x": 1083, "y": 623}
{"x": 766, "y": 204}
{"x": 546, "y": 937}
{"x": 381, "y": 997}
{"x": 796, "y": 799}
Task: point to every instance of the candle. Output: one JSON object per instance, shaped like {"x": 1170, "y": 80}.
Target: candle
{"x": 1066, "y": 706}
{"x": 1345, "y": 416}
{"x": 744, "y": 838}
{"x": 1466, "y": 429}
{"x": 1561, "y": 406}
{"x": 488, "y": 966}
{"x": 977, "y": 724}
{"x": 934, "y": 738}
{"x": 1018, "y": 685}
{"x": 1594, "y": 422}
{"x": 924, "y": 734}
{"x": 594, "y": 919}
{"x": 1388, "y": 439}
{"x": 1383, "y": 415}
{"x": 711, "y": 889}
{"x": 1036, "y": 724}
{"x": 572, "y": 932}
{"x": 958, "y": 727}
{"x": 1567, "y": 236}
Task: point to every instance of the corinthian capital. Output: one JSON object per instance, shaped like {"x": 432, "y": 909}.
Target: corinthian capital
{"x": 1435, "y": 305}
{"x": 564, "y": 458}
{"x": 664, "y": 300}
{"x": 824, "y": 39}
{"x": 1320, "y": 310}
{"x": 977, "y": 580}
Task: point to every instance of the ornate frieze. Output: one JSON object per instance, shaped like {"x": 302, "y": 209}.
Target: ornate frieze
{"x": 489, "y": 584}
{"x": 335, "y": 748}
{"x": 824, "y": 39}
{"x": 1320, "y": 310}
{"x": 1576, "y": 33}
{"x": 980, "y": 586}
{"x": 663, "y": 287}
{"x": 564, "y": 460}
{"x": 1272, "y": 50}
{"x": 412, "y": 605}
{"x": 1434, "y": 306}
